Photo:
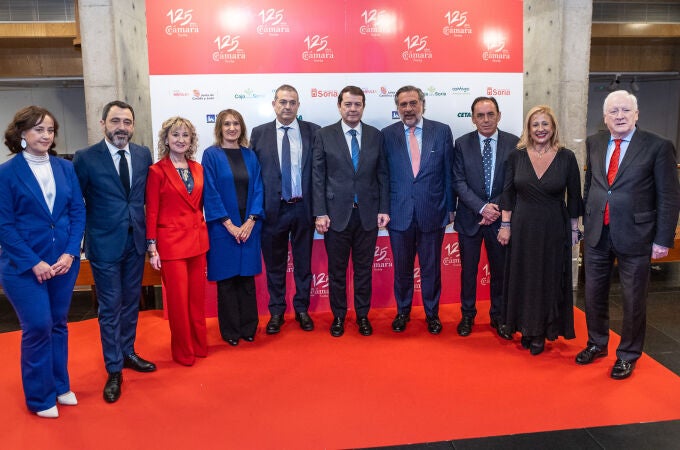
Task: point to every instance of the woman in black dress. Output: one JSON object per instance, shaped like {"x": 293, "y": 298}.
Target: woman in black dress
{"x": 540, "y": 228}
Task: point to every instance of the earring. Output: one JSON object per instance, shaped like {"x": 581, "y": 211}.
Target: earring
{"x": 23, "y": 143}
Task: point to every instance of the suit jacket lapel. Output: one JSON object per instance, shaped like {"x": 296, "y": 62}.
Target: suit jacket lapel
{"x": 426, "y": 142}
{"x": 175, "y": 181}
{"x": 59, "y": 180}
{"x": 501, "y": 151}
{"x": 137, "y": 163}
{"x": 107, "y": 161}
{"x": 272, "y": 138}
{"x": 632, "y": 152}
{"x": 26, "y": 176}
{"x": 306, "y": 149}
{"x": 341, "y": 144}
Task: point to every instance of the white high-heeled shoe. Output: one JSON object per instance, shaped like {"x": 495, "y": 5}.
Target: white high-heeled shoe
{"x": 51, "y": 413}
{"x": 68, "y": 398}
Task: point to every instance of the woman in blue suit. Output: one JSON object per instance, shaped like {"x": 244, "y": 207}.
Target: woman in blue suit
{"x": 42, "y": 219}
{"x": 232, "y": 197}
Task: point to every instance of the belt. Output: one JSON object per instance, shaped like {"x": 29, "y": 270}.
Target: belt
{"x": 292, "y": 200}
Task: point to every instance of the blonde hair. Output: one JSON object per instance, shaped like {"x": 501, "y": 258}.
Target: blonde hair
{"x": 171, "y": 124}
{"x": 525, "y": 141}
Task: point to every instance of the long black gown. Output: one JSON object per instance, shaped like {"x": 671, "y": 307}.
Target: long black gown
{"x": 538, "y": 280}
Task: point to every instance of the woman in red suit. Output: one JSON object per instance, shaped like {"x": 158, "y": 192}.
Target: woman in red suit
{"x": 177, "y": 236}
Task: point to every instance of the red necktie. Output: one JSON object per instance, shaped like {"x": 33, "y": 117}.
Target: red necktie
{"x": 611, "y": 173}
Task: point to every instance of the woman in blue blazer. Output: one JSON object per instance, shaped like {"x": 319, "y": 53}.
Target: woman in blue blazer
{"x": 42, "y": 219}
{"x": 232, "y": 197}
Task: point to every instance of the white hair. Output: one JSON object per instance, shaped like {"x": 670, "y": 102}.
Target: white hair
{"x": 616, "y": 94}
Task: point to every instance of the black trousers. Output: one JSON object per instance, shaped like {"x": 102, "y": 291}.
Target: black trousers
{"x": 292, "y": 221}
{"x": 361, "y": 244}
{"x": 237, "y": 307}
{"x": 634, "y": 278}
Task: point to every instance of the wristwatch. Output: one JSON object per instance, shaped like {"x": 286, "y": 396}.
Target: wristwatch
{"x": 253, "y": 217}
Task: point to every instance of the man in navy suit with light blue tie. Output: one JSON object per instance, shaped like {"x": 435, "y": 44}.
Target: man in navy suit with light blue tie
{"x": 478, "y": 174}
{"x": 284, "y": 149}
{"x": 419, "y": 156}
{"x": 112, "y": 175}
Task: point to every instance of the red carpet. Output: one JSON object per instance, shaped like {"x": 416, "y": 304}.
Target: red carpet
{"x": 309, "y": 390}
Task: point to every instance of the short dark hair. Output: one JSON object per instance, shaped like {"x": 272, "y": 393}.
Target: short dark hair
{"x": 409, "y": 88}
{"x": 482, "y": 99}
{"x": 25, "y": 119}
{"x": 119, "y": 104}
{"x": 285, "y": 87}
{"x": 352, "y": 90}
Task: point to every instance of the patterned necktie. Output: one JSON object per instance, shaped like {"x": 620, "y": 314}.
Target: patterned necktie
{"x": 487, "y": 161}
{"x": 124, "y": 172}
{"x": 611, "y": 173}
{"x": 286, "y": 179}
{"x": 355, "y": 149}
{"x": 415, "y": 150}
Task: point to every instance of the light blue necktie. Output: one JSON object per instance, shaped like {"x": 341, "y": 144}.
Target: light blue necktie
{"x": 355, "y": 149}
{"x": 487, "y": 161}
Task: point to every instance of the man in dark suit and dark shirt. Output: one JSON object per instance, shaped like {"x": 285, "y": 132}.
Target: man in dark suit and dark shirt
{"x": 350, "y": 202}
{"x": 112, "y": 175}
{"x": 478, "y": 174}
{"x": 284, "y": 149}
{"x": 632, "y": 198}
{"x": 419, "y": 156}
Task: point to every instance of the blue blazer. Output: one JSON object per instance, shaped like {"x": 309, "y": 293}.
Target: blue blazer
{"x": 468, "y": 178}
{"x": 29, "y": 233}
{"x": 110, "y": 214}
{"x": 263, "y": 141}
{"x": 428, "y": 196}
{"x": 226, "y": 257}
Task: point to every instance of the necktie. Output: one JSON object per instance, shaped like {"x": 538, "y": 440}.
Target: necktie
{"x": 286, "y": 179}
{"x": 415, "y": 150}
{"x": 487, "y": 161}
{"x": 611, "y": 173}
{"x": 124, "y": 172}
{"x": 355, "y": 149}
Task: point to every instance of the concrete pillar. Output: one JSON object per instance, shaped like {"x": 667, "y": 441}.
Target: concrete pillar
{"x": 115, "y": 62}
{"x": 556, "y": 68}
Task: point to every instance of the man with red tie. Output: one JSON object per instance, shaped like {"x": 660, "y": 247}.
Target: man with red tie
{"x": 632, "y": 199}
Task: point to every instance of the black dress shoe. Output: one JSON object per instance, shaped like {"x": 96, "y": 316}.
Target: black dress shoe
{"x": 112, "y": 387}
{"x": 232, "y": 342}
{"x": 365, "y": 328}
{"x": 434, "y": 325}
{"x": 306, "y": 322}
{"x": 526, "y": 342}
{"x": 590, "y": 353}
{"x": 622, "y": 369}
{"x": 502, "y": 330}
{"x": 249, "y": 338}
{"x": 465, "y": 326}
{"x": 537, "y": 345}
{"x": 338, "y": 327}
{"x": 399, "y": 322}
{"x": 135, "y": 362}
{"x": 274, "y": 324}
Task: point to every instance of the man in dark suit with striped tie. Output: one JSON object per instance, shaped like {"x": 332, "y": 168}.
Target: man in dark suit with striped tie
{"x": 478, "y": 175}
{"x": 419, "y": 156}
{"x": 284, "y": 150}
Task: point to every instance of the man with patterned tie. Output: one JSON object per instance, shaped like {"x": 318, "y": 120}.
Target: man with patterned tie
{"x": 284, "y": 149}
{"x": 419, "y": 156}
{"x": 350, "y": 202}
{"x": 478, "y": 176}
{"x": 112, "y": 175}
{"x": 632, "y": 199}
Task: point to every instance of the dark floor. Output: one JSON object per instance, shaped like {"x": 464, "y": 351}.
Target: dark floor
{"x": 662, "y": 343}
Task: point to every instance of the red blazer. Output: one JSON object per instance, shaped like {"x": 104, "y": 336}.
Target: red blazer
{"x": 173, "y": 216}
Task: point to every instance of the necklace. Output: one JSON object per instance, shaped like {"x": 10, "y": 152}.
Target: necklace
{"x": 541, "y": 153}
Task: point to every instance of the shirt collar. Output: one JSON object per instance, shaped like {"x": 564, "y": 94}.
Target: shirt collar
{"x": 493, "y": 137}
{"x": 626, "y": 138}
{"x": 114, "y": 150}
{"x": 346, "y": 128}
{"x": 293, "y": 125}
{"x": 418, "y": 125}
